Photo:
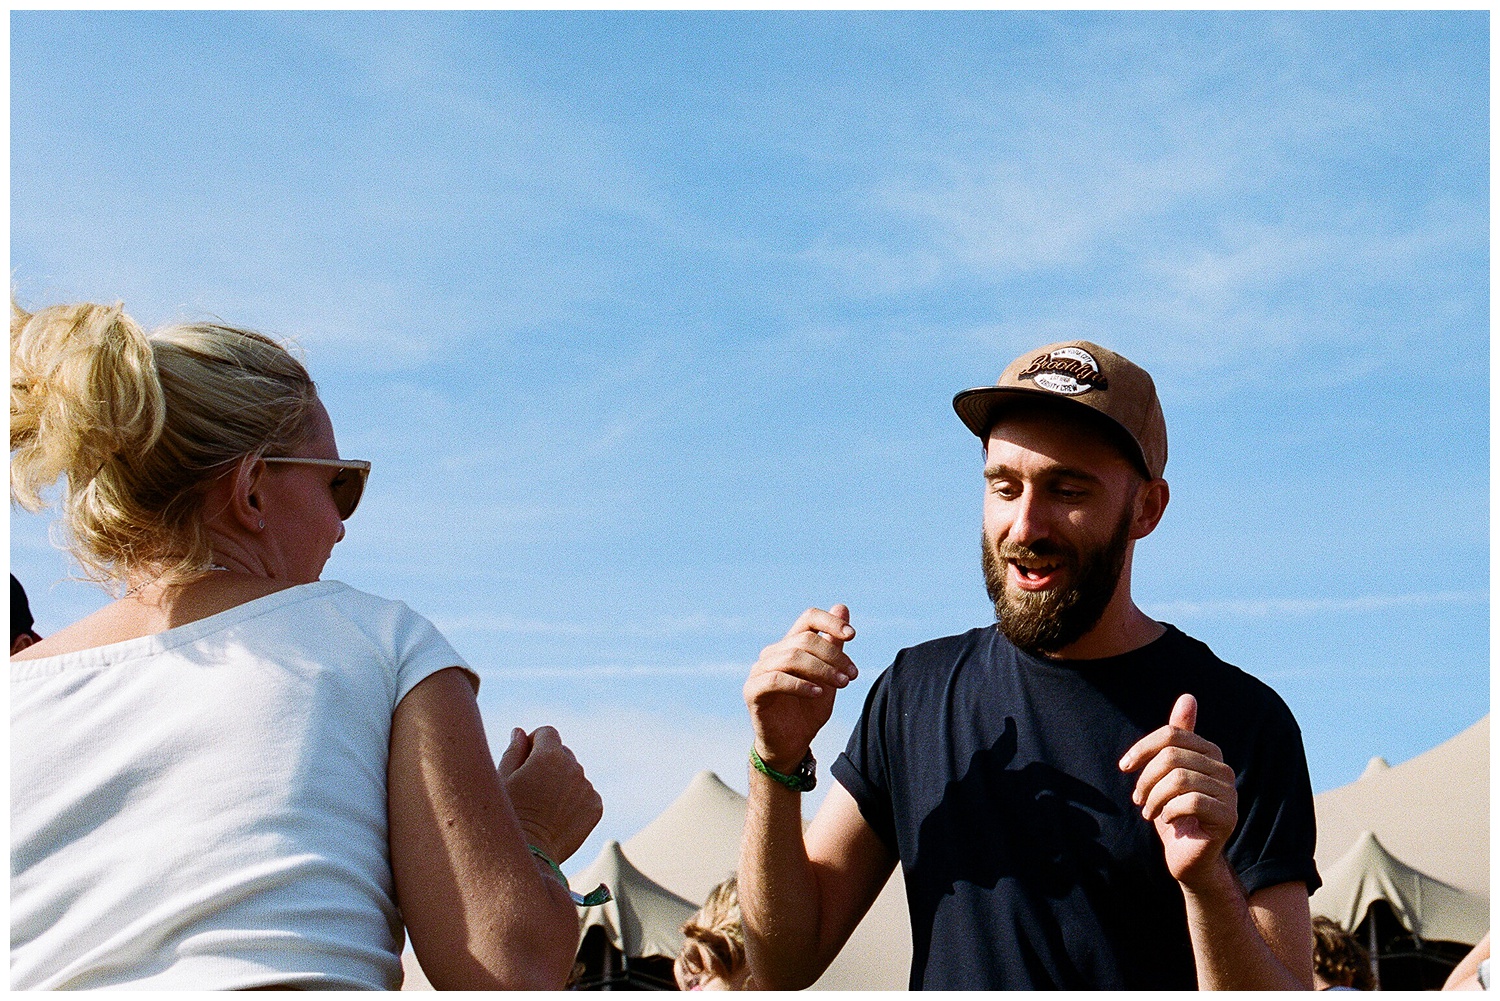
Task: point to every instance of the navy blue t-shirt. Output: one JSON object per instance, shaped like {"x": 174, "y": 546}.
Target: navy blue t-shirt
{"x": 993, "y": 776}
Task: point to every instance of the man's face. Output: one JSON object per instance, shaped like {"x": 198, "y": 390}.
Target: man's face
{"x": 1058, "y": 525}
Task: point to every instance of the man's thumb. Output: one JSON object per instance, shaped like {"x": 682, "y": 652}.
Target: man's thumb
{"x": 516, "y": 754}
{"x": 1185, "y": 713}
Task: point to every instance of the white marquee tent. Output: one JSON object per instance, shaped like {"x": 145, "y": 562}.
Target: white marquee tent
{"x": 1416, "y": 836}
{"x": 694, "y": 844}
{"x": 643, "y": 917}
{"x": 1426, "y": 906}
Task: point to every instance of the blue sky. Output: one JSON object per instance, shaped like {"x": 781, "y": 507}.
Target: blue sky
{"x": 650, "y": 323}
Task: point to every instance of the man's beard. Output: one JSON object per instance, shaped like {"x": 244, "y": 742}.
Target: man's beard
{"x": 1047, "y": 621}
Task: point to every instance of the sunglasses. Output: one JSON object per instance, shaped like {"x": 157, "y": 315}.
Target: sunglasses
{"x": 347, "y": 487}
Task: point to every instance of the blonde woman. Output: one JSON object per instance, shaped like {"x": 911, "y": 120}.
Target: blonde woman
{"x": 712, "y": 957}
{"x": 238, "y": 774}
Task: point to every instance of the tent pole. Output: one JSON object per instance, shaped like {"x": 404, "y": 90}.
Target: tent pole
{"x": 609, "y": 970}
{"x": 1374, "y": 952}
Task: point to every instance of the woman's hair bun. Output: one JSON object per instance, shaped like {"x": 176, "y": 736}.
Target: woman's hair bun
{"x": 83, "y": 391}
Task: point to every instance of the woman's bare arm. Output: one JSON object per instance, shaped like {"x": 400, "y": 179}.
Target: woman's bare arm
{"x": 480, "y": 910}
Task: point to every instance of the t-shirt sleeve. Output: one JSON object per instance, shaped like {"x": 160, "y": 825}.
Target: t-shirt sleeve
{"x": 863, "y": 768}
{"x": 422, "y": 651}
{"x": 1277, "y": 832}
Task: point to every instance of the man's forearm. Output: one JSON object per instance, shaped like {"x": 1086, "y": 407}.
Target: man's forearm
{"x": 778, "y": 888}
{"x": 1230, "y": 952}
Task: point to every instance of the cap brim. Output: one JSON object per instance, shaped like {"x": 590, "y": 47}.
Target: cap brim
{"x": 978, "y": 409}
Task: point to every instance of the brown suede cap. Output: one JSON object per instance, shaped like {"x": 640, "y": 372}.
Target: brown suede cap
{"x": 1085, "y": 374}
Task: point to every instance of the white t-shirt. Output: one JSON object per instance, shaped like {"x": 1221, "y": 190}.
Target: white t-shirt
{"x": 206, "y": 808}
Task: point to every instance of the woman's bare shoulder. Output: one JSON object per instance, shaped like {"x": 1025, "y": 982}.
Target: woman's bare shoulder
{"x": 152, "y": 612}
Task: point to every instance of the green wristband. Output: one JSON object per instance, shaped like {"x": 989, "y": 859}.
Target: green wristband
{"x": 804, "y": 779}
{"x": 557, "y": 872}
{"x": 595, "y": 897}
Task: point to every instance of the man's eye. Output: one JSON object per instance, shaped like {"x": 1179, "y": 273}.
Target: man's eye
{"x": 339, "y": 480}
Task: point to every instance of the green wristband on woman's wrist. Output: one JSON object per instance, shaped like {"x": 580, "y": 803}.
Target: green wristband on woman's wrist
{"x": 555, "y": 869}
{"x": 595, "y": 897}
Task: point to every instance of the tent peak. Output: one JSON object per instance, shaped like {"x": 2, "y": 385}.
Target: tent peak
{"x": 644, "y": 918}
{"x": 1424, "y": 905}
{"x": 710, "y": 779}
{"x": 1375, "y": 767}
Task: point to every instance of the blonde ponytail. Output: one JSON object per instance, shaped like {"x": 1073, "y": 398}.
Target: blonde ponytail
{"x": 137, "y": 425}
{"x": 83, "y": 387}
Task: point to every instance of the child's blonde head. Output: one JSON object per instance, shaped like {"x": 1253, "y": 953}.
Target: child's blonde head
{"x": 714, "y": 940}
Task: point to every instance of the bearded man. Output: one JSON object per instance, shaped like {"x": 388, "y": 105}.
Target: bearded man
{"x": 1079, "y": 796}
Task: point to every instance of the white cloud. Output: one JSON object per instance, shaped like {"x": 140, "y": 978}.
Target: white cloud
{"x": 435, "y": 192}
{"x": 994, "y": 218}
{"x": 596, "y": 672}
{"x": 1246, "y": 257}
{"x": 1172, "y": 199}
{"x": 1016, "y": 216}
{"x": 657, "y": 628}
{"x": 1252, "y": 295}
{"x": 1280, "y": 607}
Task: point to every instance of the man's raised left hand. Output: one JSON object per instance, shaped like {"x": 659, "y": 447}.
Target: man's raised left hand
{"x": 1188, "y": 792}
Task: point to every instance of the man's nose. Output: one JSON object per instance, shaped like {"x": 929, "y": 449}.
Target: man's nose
{"x": 1029, "y": 520}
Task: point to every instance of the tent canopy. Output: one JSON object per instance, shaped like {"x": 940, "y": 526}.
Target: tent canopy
{"x": 1425, "y": 906}
{"x": 643, "y": 918}
{"x": 1432, "y": 812}
{"x": 694, "y": 844}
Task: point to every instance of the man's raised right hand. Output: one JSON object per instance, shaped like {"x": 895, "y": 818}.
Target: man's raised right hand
{"x": 791, "y": 687}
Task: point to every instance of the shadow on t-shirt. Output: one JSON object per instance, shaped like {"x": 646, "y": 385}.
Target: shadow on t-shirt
{"x": 1036, "y": 827}
{"x": 1035, "y": 824}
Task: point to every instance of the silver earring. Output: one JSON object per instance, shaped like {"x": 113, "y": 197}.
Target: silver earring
{"x": 263, "y": 523}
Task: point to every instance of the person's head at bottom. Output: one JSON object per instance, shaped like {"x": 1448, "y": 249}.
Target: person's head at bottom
{"x": 22, "y": 635}
{"x": 712, "y": 957}
{"x": 193, "y": 447}
{"x": 1338, "y": 960}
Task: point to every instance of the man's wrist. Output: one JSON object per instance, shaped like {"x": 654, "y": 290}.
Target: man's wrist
{"x": 1215, "y": 881}
{"x": 786, "y": 763}
{"x": 803, "y": 779}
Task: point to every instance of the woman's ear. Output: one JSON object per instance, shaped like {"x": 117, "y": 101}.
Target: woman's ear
{"x": 244, "y": 494}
